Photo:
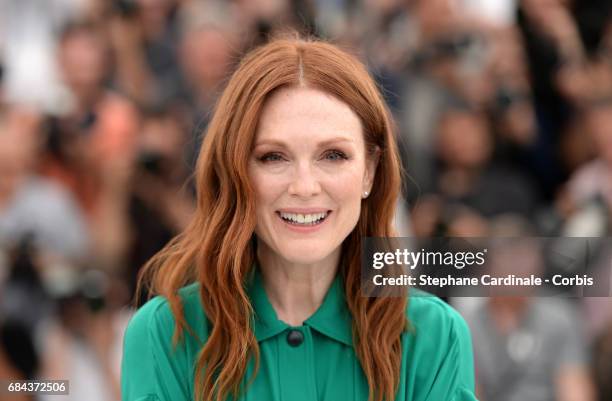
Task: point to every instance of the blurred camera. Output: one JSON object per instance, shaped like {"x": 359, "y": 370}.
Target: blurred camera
{"x": 19, "y": 349}
{"x": 23, "y": 266}
{"x": 71, "y": 287}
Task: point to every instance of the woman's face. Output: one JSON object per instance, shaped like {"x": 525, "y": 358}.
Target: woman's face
{"x": 309, "y": 170}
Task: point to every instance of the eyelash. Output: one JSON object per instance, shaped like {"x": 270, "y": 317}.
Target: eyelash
{"x": 266, "y": 158}
{"x": 340, "y": 154}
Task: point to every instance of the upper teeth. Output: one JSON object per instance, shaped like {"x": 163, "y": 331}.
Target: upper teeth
{"x": 303, "y": 218}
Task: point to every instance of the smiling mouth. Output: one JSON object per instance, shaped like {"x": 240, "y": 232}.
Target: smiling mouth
{"x": 304, "y": 219}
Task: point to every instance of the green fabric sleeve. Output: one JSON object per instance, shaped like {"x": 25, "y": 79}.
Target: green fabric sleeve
{"x": 439, "y": 352}
{"x": 152, "y": 369}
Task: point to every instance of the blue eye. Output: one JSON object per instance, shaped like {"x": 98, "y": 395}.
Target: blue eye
{"x": 271, "y": 157}
{"x": 336, "y": 155}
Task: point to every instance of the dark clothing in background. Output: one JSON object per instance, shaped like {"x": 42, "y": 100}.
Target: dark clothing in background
{"x": 500, "y": 190}
{"x": 150, "y": 234}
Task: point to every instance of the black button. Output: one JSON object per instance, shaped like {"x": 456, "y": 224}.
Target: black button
{"x": 295, "y": 338}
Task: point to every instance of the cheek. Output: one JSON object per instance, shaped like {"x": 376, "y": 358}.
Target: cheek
{"x": 264, "y": 197}
{"x": 266, "y": 187}
{"x": 346, "y": 190}
{"x": 268, "y": 190}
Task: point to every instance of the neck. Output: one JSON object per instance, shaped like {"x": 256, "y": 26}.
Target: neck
{"x": 296, "y": 290}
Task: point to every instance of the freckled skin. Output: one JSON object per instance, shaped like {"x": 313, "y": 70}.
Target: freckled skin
{"x": 309, "y": 153}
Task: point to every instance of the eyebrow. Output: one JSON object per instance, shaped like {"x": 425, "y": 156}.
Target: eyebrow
{"x": 320, "y": 144}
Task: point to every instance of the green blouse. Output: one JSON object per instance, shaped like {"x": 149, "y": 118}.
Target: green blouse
{"x": 315, "y": 361}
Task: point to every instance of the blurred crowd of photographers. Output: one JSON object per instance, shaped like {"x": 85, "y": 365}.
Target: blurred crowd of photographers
{"x": 504, "y": 120}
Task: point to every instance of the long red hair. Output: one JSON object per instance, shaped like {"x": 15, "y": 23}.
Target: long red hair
{"x": 216, "y": 249}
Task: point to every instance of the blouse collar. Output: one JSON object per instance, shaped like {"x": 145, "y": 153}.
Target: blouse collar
{"x": 331, "y": 319}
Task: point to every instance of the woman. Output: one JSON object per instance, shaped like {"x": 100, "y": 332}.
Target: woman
{"x": 298, "y": 165}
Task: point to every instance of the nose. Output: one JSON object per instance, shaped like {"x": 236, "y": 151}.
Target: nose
{"x": 304, "y": 182}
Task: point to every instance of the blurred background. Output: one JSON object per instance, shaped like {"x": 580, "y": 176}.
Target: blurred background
{"x": 504, "y": 119}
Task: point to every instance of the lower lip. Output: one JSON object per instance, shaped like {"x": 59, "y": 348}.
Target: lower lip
{"x": 304, "y": 229}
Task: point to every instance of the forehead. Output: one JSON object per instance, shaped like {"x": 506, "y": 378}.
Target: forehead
{"x": 299, "y": 113}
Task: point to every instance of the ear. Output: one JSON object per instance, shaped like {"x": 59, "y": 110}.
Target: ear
{"x": 370, "y": 172}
